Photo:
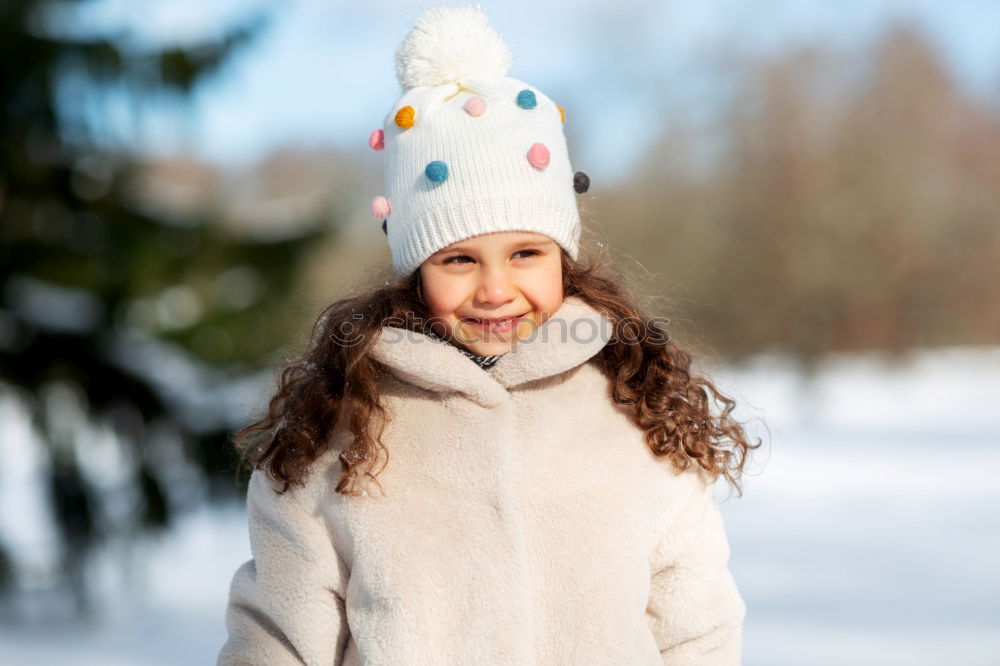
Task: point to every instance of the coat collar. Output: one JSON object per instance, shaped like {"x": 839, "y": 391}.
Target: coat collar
{"x": 574, "y": 334}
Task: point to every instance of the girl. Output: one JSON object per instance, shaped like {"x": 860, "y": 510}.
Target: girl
{"x": 494, "y": 457}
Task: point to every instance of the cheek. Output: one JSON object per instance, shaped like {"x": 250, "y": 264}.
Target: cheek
{"x": 551, "y": 294}
{"x": 441, "y": 296}
{"x": 551, "y": 303}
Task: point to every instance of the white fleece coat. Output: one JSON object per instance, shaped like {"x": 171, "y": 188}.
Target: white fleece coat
{"x": 524, "y": 521}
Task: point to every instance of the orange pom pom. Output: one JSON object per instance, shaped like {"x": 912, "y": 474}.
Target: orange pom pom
{"x": 562, "y": 112}
{"x": 404, "y": 117}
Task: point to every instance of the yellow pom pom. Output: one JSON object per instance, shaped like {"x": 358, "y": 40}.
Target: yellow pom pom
{"x": 404, "y": 117}
{"x": 562, "y": 112}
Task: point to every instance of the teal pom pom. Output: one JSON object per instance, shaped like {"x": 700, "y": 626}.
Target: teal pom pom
{"x": 437, "y": 171}
{"x": 526, "y": 99}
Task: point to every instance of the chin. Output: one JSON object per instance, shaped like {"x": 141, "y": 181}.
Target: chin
{"x": 497, "y": 343}
{"x": 488, "y": 348}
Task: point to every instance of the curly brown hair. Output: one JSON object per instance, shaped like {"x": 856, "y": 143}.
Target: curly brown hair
{"x": 335, "y": 387}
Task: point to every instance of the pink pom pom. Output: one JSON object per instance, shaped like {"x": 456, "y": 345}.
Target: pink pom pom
{"x": 377, "y": 140}
{"x": 380, "y": 206}
{"x": 475, "y": 107}
{"x": 538, "y": 156}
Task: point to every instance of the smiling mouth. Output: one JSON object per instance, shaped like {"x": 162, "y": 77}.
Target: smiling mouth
{"x": 499, "y": 326}
{"x": 494, "y": 320}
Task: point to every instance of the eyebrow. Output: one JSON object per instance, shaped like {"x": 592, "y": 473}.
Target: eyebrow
{"x": 517, "y": 244}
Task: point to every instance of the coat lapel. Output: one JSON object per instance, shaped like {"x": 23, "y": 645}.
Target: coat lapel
{"x": 574, "y": 334}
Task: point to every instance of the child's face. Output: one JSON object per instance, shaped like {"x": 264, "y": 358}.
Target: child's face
{"x": 493, "y": 276}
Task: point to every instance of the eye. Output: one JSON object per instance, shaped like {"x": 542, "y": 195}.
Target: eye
{"x": 458, "y": 257}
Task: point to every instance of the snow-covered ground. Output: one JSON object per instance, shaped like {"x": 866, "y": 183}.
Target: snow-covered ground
{"x": 867, "y": 531}
{"x": 870, "y": 535}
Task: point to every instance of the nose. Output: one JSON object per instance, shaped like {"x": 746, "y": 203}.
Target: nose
{"x": 496, "y": 285}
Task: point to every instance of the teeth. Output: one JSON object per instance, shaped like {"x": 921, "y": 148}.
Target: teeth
{"x": 494, "y": 322}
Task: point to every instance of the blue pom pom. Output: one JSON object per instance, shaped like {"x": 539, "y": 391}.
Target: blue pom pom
{"x": 526, "y": 99}
{"x": 437, "y": 171}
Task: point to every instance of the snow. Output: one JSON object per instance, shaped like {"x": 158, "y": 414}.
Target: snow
{"x": 868, "y": 536}
{"x": 170, "y": 611}
{"x": 865, "y": 534}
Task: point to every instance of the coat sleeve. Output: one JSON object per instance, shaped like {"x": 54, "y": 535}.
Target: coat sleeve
{"x": 695, "y": 609}
{"x": 286, "y": 605}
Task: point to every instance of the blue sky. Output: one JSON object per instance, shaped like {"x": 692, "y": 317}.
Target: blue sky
{"x": 322, "y": 73}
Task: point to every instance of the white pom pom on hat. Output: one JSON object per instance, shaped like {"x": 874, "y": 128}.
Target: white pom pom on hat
{"x": 469, "y": 150}
{"x": 448, "y": 45}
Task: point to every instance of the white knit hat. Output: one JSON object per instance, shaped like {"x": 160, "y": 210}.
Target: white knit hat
{"x": 469, "y": 150}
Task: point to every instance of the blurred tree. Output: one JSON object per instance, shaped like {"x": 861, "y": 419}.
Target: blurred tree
{"x": 848, "y": 202}
{"x": 88, "y": 270}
